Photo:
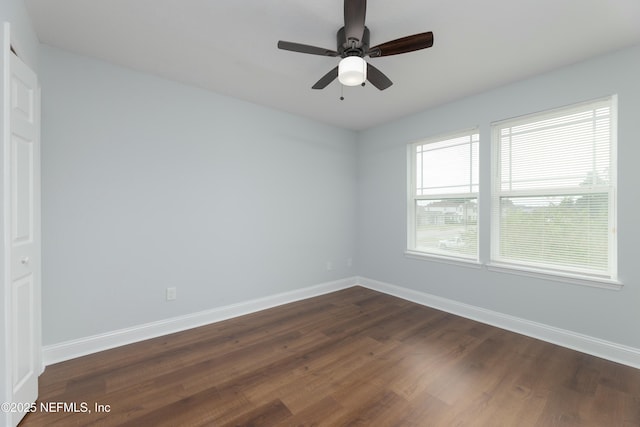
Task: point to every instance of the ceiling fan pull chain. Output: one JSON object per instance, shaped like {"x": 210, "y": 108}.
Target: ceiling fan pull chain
{"x": 341, "y": 92}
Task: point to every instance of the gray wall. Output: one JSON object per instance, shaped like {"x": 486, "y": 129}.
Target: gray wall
{"x": 149, "y": 184}
{"x": 606, "y": 314}
{"x": 24, "y": 41}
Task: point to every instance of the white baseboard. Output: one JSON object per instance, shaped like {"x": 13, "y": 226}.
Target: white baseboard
{"x": 607, "y": 350}
{"x": 586, "y": 344}
{"x": 81, "y": 347}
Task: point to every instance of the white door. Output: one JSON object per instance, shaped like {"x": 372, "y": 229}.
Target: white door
{"x": 22, "y": 227}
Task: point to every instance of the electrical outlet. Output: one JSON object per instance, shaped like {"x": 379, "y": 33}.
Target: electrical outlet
{"x": 329, "y": 266}
{"x": 171, "y": 294}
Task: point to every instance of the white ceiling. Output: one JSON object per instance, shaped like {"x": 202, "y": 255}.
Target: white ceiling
{"x": 230, "y": 46}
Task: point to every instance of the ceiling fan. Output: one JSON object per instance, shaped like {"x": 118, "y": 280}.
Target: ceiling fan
{"x": 353, "y": 46}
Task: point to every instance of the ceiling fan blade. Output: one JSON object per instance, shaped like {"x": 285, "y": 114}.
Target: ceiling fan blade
{"x": 354, "y": 14}
{"x": 304, "y": 48}
{"x": 403, "y": 45}
{"x": 377, "y": 77}
{"x": 326, "y": 79}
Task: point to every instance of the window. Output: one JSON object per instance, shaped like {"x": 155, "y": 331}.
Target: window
{"x": 443, "y": 196}
{"x": 554, "y": 183}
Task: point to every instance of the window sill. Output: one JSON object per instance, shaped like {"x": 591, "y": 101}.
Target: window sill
{"x": 574, "y": 279}
{"x": 443, "y": 259}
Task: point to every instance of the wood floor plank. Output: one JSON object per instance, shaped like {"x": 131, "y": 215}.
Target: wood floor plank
{"x": 613, "y": 407}
{"x": 352, "y": 357}
{"x": 425, "y": 410}
{"x": 317, "y": 413}
{"x": 269, "y": 414}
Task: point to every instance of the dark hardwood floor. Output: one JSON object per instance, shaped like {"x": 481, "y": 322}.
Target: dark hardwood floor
{"x": 354, "y": 357}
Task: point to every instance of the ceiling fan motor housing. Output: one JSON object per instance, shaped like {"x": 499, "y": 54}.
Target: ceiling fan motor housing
{"x": 352, "y": 47}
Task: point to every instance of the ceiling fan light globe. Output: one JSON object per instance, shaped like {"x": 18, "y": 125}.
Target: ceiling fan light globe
{"x": 352, "y": 71}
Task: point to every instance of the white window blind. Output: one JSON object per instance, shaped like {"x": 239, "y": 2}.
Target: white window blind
{"x": 443, "y": 202}
{"x": 553, "y": 204}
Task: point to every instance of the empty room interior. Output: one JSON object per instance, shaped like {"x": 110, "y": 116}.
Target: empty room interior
{"x": 320, "y": 213}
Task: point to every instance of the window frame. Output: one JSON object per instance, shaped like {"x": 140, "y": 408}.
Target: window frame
{"x": 569, "y": 274}
{"x": 412, "y": 199}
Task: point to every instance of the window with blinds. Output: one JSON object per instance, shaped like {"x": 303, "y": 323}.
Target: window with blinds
{"x": 553, "y": 201}
{"x": 443, "y": 196}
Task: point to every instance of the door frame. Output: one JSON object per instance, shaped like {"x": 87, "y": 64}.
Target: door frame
{"x": 7, "y": 55}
